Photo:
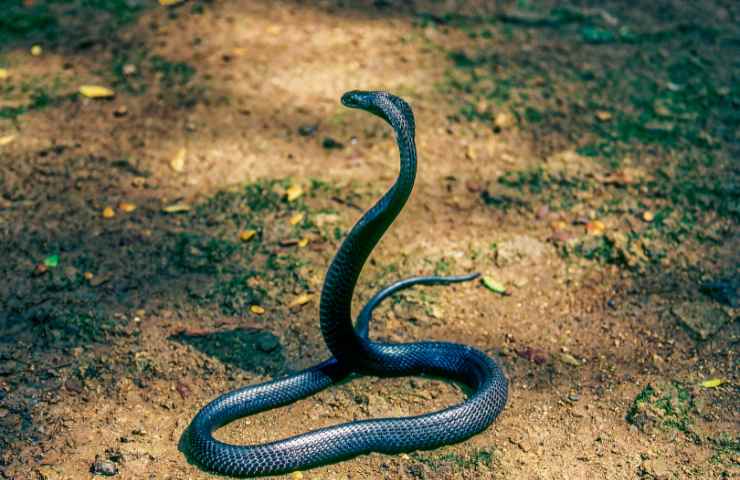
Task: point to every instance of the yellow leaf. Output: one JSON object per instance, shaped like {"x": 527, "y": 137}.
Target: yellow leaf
{"x": 247, "y": 235}
{"x": 178, "y": 161}
{"x": 126, "y": 207}
{"x": 6, "y": 139}
{"x": 595, "y": 227}
{"x": 256, "y": 309}
{"x": 108, "y": 212}
{"x": 301, "y": 299}
{"x": 36, "y": 50}
{"x": 303, "y": 242}
{"x": 169, "y": 3}
{"x": 296, "y": 476}
{"x": 96, "y": 91}
{"x": 569, "y": 359}
{"x": 296, "y": 218}
{"x": 712, "y": 383}
{"x": 176, "y": 208}
{"x": 493, "y": 285}
{"x": 4, "y": 73}
{"x": 294, "y": 192}
{"x": 603, "y": 115}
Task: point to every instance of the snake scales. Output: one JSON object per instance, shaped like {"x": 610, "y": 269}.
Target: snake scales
{"x": 354, "y": 352}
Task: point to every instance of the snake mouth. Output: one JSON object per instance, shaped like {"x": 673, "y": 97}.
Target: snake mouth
{"x": 353, "y": 99}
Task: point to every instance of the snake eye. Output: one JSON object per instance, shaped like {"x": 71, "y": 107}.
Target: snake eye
{"x": 353, "y": 99}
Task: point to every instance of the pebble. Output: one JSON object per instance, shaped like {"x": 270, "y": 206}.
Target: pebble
{"x": 103, "y": 467}
{"x": 503, "y": 120}
{"x": 329, "y": 143}
{"x": 657, "y": 469}
{"x": 702, "y": 319}
{"x": 120, "y": 111}
{"x": 307, "y": 130}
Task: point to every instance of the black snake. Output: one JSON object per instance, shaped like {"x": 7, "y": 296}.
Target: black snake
{"x": 354, "y": 352}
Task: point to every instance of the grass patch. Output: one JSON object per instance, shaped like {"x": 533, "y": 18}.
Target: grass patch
{"x": 669, "y": 407}
{"x": 481, "y": 460}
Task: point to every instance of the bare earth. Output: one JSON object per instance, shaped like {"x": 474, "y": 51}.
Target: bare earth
{"x": 115, "y": 364}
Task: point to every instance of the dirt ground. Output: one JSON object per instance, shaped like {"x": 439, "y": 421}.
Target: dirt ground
{"x": 168, "y": 244}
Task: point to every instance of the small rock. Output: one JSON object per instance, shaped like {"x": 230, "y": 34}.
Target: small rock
{"x": 74, "y": 385}
{"x": 183, "y": 390}
{"x": 542, "y": 212}
{"x": 129, "y": 69}
{"x": 534, "y": 355}
{"x": 702, "y": 319}
{"x": 307, "y": 130}
{"x": 103, "y": 467}
{"x": 473, "y": 186}
{"x": 503, "y": 120}
{"x": 120, "y": 111}
{"x": 657, "y": 469}
{"x": 603, "y": 116}
{"x": 519, "y": 248}
{"x": 330, "y": 144}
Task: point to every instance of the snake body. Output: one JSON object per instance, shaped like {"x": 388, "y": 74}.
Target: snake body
{"x": 353, "y": 352}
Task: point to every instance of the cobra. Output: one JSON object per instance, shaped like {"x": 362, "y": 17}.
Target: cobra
{"x": 354, "y": 352}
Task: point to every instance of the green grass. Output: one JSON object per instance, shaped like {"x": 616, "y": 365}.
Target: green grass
{"x": 669, "y": 407}
{"x": 461, "y": 464}
{"x": 55, "y": 21}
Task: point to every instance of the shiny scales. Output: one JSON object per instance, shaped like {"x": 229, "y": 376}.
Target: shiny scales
{"x": 353, "y": 352}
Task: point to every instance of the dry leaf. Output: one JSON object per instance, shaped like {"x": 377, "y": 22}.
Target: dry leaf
{"x": 96, "y": 91}
{"x": 603, "y": 115}
{"x": 293, "y": 192}
{"x": 301, "y": 299}
{"x": 6, "y": 139}
{"x": 4, "y": 73}
{"x": 493, "y": 285}
{"x": 256, "y": 309}
{"x": 178, "y": 161}
{"x": 126, "y": 207}
{"x": 303, "y": 242}
{"x": 569, "y": 359}
{"x": 108, "y": 212}
{"x": 595, "y": 227}
{"x": 176, "y": 208}
{"x": 712, "y": 383}
{"x": 296, "y": 218}
{"x": 648, "y": 216}
{"x": 247, "y": 235}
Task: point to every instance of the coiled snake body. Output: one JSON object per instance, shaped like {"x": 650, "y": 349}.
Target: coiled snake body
{"x": 354, "y": 352}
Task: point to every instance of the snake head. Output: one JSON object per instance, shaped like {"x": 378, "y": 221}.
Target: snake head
{"x": 390, "y": 108}
{"x": 372, "y": 102}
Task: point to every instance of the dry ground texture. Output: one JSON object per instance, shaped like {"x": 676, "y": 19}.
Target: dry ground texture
{"x": 582, "y": 155}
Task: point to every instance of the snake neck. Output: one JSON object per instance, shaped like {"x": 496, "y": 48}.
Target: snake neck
{"x": 344, "y": 270}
